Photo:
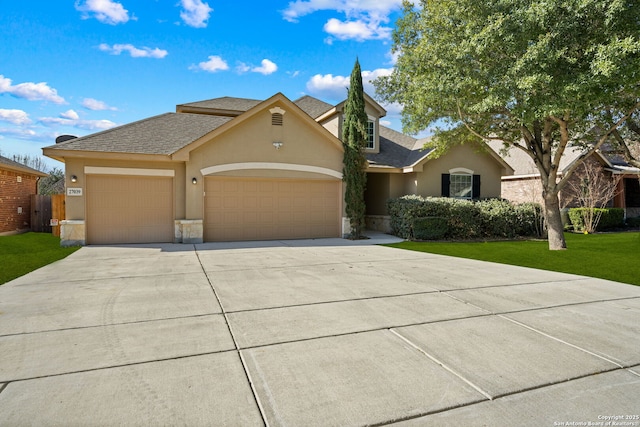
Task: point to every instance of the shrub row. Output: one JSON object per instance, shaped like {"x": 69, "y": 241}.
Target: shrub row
{"x": 416, "y": 217}
{"x": 611, "y": 218}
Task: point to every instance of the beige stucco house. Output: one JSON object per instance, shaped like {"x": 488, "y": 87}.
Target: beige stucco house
{"x": 242, "y": 169}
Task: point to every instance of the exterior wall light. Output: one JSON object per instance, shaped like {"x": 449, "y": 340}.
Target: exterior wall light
{"x": 277, "y": 144}
{"x": 74, "y": 178}
{"x": 194, "y": 181}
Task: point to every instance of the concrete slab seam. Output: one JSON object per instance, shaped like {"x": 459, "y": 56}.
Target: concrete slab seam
{"x": 511, "y": 285}
{"x": 476, "y": 387}
{"x": 235, "y": 343}
{"x": 305, "y": 304}
{"x": 364, "y": 331}
{"x": 106, "y": 278}
{"x": 466, "y": 302}
{"x": 561, "y": 341}
{"x": 569, "y": 304}
{"x": 75, "y": 328}
{"x": 122, "y": 365}
{"x": 545, "y": 307}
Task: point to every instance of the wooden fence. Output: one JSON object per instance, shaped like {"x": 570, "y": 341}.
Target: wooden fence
{"x": 46, "y": 213}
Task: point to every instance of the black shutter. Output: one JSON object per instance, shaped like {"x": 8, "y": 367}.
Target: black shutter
{"x": 445, "y": 184}
{"x": 475, "y": 192}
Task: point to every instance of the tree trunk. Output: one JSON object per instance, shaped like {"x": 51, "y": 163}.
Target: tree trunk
{"x": 555, "y": 228}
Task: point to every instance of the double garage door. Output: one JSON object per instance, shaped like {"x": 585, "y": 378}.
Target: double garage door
{"x": 135, "y": 209}
{"x": 267, "y": 209}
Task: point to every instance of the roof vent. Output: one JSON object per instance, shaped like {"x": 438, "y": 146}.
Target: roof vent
{"x": 277, "y": 114}
{"x": 64, "y": 138}
{"x": 276, "y": 119}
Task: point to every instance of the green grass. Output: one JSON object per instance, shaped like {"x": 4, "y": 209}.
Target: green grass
{"x": 22, "y": 253}
{"x": 614, "y": 256}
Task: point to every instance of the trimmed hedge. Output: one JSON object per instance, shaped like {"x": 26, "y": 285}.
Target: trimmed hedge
{"x": 430, "y": 228}
{"x": 465, "y": 219}
{"x": 611, "y": 218}
{"x": 633, "y": 222}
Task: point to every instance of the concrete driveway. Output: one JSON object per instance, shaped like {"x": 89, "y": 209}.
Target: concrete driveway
{"x": 320, "y": 332}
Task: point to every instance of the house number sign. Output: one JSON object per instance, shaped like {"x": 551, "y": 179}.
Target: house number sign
{"x": 74, "y": 191}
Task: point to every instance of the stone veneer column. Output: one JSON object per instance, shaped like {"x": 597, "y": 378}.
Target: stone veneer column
{"x": 189, "y": 231}
{"x": 72, "y": 233}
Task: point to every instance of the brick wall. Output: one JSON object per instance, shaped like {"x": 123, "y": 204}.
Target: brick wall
{"x": 14, "y": 194}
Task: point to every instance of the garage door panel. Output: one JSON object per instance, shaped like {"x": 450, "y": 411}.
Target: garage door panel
{"x": 122, "y": 209}
{"x": 262, "y": 209}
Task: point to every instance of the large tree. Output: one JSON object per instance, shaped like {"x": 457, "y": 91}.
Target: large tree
{"x": 535, "y": 75}
{"x": 354, "y": 134}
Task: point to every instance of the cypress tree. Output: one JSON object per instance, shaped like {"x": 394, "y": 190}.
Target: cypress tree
{"x": 354, "y": 136}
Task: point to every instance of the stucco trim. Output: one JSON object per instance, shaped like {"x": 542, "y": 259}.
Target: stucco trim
{"x": 128, "y": 171}
{"x": 273, "y": 166}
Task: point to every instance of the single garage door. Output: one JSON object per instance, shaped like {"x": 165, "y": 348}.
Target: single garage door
{"x": 129, "y": 209}
{"x": 267, "y": 209}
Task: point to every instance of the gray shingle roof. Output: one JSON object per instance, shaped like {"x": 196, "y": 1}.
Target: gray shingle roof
{"x": 397, "y": 150}
{"x": 225, "y": 103}
{"x": 313, "y": 106}
{"x": 11, "y": 164}
{"x": 163, "y": 134}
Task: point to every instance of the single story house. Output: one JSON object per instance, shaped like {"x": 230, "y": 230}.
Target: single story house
{"x": 17, "y": 183}
{"x": 229, "y": 169}
{"x": 524, "y": 184}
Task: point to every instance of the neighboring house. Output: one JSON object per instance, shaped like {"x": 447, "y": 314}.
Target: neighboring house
{"x": 17, "y": 183}
{"x": 242, "y": 169}
{"x": 524, "y": 185}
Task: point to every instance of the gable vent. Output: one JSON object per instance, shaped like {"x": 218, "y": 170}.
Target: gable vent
{"x": 276, "y": 119}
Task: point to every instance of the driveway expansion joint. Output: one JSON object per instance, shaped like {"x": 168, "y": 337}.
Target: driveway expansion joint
{"x": 235, "y": 343}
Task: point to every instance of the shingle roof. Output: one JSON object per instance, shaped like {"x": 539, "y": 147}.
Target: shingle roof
{"x": 313, "y": 106}
{"x": 225, "y": 103}
{"x": 13, "y": 165}
{"x": 397, "y": 150}
{"x": 163, "y": 134}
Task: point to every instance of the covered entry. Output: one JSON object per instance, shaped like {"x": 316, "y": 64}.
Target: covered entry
{"x": 268, "y": 209}
{"x": 129, "y": 209}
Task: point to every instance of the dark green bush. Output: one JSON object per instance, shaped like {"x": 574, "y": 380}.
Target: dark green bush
{"x": 633, "y": 222}
{"x": 610, "y": 218}
{"x": 430, "y": 228}
{"x": 465, "y": 219}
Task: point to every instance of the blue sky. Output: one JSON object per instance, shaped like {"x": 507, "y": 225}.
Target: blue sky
{"x": 81, "y": 66}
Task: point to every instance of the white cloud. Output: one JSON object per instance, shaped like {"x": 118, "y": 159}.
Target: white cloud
{"x": 328, "y": 86}
{"x": 386, "y": 123}
{"x": 30, "y": 91}
{"x": 356, "y": 30}
{"x": 105, "y": 11}
{"x": 17, "y": 117}
{"x": 95, "y": 105}
{"x": 215, "y": 63}
{"x": 20, "y": 133}
{"x": 144, "y": 52}
{"x": 195, "y": 13}
{"x": 242, "y": 68}
{"x": 267, "y": 67}
{"x": 334, "y": 87}
{"x": 365, "y": 19}
{"x": 70, "y": 114}
{"x": 77, "y": 123}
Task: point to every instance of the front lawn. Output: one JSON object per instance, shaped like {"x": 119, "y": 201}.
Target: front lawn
{"x": 22, "y": 253}
{"x": 612, "y": 256}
